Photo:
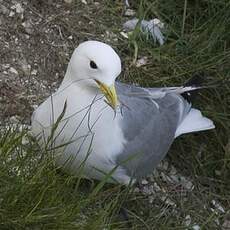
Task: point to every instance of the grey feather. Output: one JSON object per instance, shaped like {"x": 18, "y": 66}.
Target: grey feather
{"x": 149, "y": 126}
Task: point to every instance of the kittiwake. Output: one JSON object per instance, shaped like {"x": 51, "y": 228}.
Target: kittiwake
{"x": 101, "y": 128}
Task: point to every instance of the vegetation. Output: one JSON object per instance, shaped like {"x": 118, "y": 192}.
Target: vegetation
{"x": 34, "y": 194}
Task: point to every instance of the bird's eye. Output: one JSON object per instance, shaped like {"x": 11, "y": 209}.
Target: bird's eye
{"x": 93, "y": 65}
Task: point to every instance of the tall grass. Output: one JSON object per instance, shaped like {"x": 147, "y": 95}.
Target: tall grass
{"x": 35, "y": 194}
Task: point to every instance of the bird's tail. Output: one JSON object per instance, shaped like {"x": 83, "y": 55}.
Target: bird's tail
{"x": 193, "y": 122}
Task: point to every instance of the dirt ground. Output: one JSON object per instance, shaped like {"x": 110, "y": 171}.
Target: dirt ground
{"x": 37, "y": 38}
{"x": 36, "y": 41}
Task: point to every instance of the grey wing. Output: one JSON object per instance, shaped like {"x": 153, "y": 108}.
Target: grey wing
{"x": 148, "y": 125}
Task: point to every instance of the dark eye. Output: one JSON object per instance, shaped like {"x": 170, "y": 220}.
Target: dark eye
{"x": 93, "y": 65}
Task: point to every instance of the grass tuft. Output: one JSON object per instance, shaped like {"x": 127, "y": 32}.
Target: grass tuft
{"x": 34, "y": 194}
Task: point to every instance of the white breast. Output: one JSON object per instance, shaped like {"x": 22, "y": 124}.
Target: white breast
{"x": 89, "y": 124}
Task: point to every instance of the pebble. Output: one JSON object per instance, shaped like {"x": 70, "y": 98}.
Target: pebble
{"x": 14, "y": 119}
{"x": 156, "y": 187}
{"x": 28, "y": 27}
{"x": 165, "y": 165}
{"x": 157, "y": 22}
{"x": 5, "y": 66}
{"x": 125, "y": 35}
{"x": 218, "y": 206}
{"x": 142, "y": 61}
{"x": 151, "y": 199}
{"x": 130, "y": 12}
{"x": 19, "y": 9}
{"x": 11, "y": 14}
{"x": 136, "y": 190}
{"x": 144, "y": 182}
{"x": 26, "y": 68}
{"x": 188, "y": 185}
{"x": 168, "y": 201}
{"x": 196, "y": 227}
{"x": 13, "y": 70}
{"x": 34, "y": 72}
{"x": 148, "y": 190}
{"x": 173, "y": 170}
{"x": 187, "y": 220}
{"x": 68, "y": 1}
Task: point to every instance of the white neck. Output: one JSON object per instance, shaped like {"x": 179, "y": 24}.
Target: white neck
{"x": 82, "y": 84}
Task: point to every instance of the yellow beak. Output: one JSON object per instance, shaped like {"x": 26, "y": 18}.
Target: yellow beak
{"x": 110, "y": 93}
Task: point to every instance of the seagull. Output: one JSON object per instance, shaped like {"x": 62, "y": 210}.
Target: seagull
{"x": 103, "y": 129}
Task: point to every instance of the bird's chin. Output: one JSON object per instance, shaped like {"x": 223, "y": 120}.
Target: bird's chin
{"x": 88, "y": 83}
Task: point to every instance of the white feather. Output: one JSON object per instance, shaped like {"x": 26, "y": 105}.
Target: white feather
{"x": 193, "y": 122}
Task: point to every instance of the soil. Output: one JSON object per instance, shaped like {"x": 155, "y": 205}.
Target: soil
{"x": 37, "y": 38}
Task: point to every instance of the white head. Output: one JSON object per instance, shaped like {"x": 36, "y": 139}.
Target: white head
{"x": 94, "y": 61}
{"x": 97, "y": 61}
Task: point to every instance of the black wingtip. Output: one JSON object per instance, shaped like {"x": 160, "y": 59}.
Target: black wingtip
{"x": 197, "y": 80}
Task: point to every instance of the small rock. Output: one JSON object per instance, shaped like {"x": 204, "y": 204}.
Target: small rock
{"x": 173, "y": 170}
{"x": 18, "y": 8}
{"x": 28, "y": 27}
{"x": 34, "y": 72}
{"x": 13, "y": 70}
{"x": 26, "y": 68}
{"x": 158, "y": 23}
{"x": 142, "y": 61}
{"x": 187, "y": 220}
{"x": 164, "y": 177}
{"x": 14, "y": 119}
{"x": 5, "y": 66}
{"x": 188, "y": 185}
{"x": 68, "y": 1}
{"x": 196, "y": 227}
{"x": 136, "y": 190}
{"x": 165, "y": 165}
{"x": 144, "y": 182}
{"x": 148, "y": 190}
{"x": 151, "y": 199}
{"x": 34, "y": 106}
{"x": 11, "y": 14}
{"x": 130, "y": 12}
{"x": 125, "y": 35}
{"x": 156, "y": 187}
{"x": 25, "y": 140}
{"x": 218, "y": 206}
{"x": 16, "y": 40}
{"x": 84, "y": 2}
{"x": 156, "y": 173}
{"x": 168, "y": 201}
